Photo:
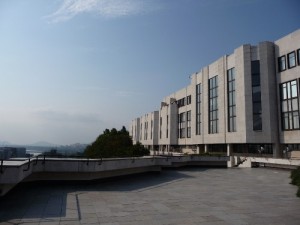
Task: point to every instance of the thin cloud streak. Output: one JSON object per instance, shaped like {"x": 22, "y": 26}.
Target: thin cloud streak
{"x": 104, "y": 8}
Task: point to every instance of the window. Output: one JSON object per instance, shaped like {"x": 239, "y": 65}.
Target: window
{"x": 298, "y": 56}
{"x": 256, "y": 95}
{"x": 281, "y": 63}
{"x": 145, "y": 130}
{"x": 213, "y": 105}
{"x": 198, "y": 109}
{"x": 188, "y": 120}
{"x": 289, "y": 106}
{"x": 188, "y": 99}
{"x": 231, "y": 100}
{"x": 181, "y": 125}
{"x": 141, "y": 130}
{"x": 181, "y": 102}
{"x": 151, "y": 129}
{"x": 167, "y": 131}
{"x": 292, "y": 59}
{"x": 160, "y": 124}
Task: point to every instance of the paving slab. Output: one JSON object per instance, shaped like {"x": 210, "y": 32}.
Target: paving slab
{"x": 184, "y": 196}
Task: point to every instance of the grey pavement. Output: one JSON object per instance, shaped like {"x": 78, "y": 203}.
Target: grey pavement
{"x": 184, "y": 196}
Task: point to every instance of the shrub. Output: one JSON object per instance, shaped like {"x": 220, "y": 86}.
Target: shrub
{"x": 295, "y": 176}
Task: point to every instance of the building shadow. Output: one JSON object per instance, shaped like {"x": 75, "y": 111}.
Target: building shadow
{"x": 47, "y": 201}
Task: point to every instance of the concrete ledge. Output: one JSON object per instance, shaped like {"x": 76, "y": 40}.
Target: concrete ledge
{"x": 14, "y": 172}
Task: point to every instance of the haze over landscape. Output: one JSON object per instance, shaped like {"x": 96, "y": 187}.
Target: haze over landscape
{"x": 71, "y": 68}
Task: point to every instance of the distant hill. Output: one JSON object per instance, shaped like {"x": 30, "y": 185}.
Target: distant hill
{"x": 43, "y": 144}
{"x": 4, "y": 143}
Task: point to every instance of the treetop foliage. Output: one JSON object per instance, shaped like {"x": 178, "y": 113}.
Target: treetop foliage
{"x": 113, "y": 143}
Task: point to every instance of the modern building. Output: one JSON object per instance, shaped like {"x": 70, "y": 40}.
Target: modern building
{"x": 245, "y": 102}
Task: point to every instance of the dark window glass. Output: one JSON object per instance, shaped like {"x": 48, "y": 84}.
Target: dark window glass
{"x": 188, "y": 125}
{"x": 290, "y": 105}
{"x": 281, "y": 63}
{"x": 231, "y": 100}
{"x": 256, "y": 95}
{"x": 292, "y": 59}
{"x": 298, "y": 56}
{"x": 167, "y": 128}
{"x": 188, "y": 99}
{"x": 198, "y": 109}
{"x": 213, "y": 105}
{"x": 181, "y": 125}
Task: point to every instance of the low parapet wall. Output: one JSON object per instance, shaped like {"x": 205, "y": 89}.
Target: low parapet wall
{"x": 248, "y": 162}
{"x": 14, "y": 172}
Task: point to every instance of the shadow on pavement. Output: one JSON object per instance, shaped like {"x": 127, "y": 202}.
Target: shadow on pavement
{"x": 29, "y": 202}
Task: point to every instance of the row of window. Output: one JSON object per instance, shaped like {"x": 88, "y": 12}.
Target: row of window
{"x": 290, "y": 108}
{"x": 289, "y": 61}
{"x": 184, "y": 101}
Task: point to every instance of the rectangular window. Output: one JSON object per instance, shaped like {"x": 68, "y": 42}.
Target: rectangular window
{"x": 181, "y": 125}
{"x": 231, "y": 100}
{"x": 281, "y": 63}
{"x": 298, "y": 56}
{"x": 181, "y": 102}
{"x": 256, "y": 95}
{"x": 188, "y": 99}
{"x": 198, "y": 109}
{"x": 213, "y": 105}
{"x": 188, "y": 125}
{"x": 151, "y": 129}
{"x": 167, "y": 131}
{"x": 289, "y": 105}
{"x": 160, "y": 124}
{"x": 141, "y": 131}
{"x": 145, "y": 130}
{"x": 292, "y": 59}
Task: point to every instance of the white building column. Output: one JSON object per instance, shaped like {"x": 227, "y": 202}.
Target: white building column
{"x": 229, "y": 149}
{"x": 206, "y": 148}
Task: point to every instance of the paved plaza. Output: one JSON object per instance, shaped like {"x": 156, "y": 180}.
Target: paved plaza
{"x": 184, "y": 196}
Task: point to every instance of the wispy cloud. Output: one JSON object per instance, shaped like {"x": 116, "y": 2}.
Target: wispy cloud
{"x": 105, "y": 8}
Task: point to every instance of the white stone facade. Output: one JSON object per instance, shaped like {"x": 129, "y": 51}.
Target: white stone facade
{"x": 240, "y": 108}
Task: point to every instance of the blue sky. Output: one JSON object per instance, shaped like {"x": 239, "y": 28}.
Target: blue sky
{"x": 71, "y": 68}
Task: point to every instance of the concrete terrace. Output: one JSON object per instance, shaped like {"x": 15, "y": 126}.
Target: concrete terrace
{"x": 183, "y": 196}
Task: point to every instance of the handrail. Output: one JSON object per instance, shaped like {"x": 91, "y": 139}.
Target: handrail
{"x": 36, "y": 160}
{"x": 100, "y": 162}
{"x": 28, "y": 167}
{"x": 1, "y": 167}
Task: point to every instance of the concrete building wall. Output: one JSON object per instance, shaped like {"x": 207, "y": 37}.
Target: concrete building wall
{"x": 284, "y": 46}
{"x": 135, "y": 130}
{"x": 243, "y": 60}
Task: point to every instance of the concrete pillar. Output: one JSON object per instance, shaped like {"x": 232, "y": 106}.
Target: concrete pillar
{"x": 276, "y": 150}
{"x": 198, "y": 149}
{"x": 206, "y": 148}
{"x": 229, "y": 149}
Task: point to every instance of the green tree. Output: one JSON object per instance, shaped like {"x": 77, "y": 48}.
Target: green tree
{"x": 113, "y": 143}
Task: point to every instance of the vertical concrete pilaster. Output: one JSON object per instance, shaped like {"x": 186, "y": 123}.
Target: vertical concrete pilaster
{"x": 206, "y": 148}
{"x": 229, "y": 149}
{"x": 276, "y": 150}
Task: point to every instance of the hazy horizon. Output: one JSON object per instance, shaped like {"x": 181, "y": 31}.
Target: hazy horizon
{"x": 69, "y": 69}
